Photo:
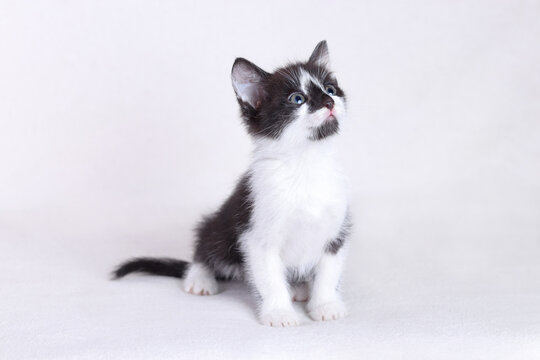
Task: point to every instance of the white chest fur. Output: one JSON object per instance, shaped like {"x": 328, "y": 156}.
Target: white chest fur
{"x": 300, "y": 202}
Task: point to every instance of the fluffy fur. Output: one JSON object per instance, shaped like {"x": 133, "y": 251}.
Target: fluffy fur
{"x": 283, "y": 229}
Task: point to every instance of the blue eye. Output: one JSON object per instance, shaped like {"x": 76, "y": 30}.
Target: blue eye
{"x": 331, "y": 90}
{"x": 297, "y": 98}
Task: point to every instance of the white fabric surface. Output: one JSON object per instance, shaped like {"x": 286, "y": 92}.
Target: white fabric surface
{"x": 119, "y": 128}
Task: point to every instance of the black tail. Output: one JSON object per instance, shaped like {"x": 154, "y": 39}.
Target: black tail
{"x": 153, "y": 266}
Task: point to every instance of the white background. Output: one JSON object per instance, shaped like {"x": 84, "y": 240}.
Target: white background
{"x": 119, "y": 128}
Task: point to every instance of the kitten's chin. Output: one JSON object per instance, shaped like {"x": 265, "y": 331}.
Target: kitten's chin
{"x": 329, "y": 127}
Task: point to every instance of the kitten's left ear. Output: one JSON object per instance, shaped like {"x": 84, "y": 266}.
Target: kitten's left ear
{"x": 247, "y": 79}
{"x": 320, "y": 55}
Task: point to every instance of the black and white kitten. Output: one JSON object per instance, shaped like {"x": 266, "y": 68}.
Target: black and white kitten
{"x": 283, "y": 228}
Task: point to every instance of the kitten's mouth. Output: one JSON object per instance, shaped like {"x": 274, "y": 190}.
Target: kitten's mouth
{"x": 330, "y": 116}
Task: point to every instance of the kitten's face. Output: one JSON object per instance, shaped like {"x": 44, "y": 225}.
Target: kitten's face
{"x": 299, "y": 102}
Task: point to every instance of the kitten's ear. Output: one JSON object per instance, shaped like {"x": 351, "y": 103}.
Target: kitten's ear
{"x": 247, "y": 81}
{"x": 320, "y": 55}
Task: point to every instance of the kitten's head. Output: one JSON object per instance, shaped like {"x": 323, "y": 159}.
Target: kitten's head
{"x": 299, "y": 102}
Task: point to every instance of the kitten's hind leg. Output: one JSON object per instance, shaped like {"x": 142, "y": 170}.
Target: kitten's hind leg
{"x": 200, "y": 280}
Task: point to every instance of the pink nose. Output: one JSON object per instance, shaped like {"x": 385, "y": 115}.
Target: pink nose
{"x": 329, "y": 104}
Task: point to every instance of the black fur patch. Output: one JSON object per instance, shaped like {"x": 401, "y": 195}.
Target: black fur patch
{"x": 317, "y": 98}
{"x": 153, "y": 266}
{"x": 328, "y": 128}
{"x": 217, "y": 234}
{"x": 336, "y": 244}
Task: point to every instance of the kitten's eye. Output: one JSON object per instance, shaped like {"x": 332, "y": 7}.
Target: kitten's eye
{"x": 297, "y": 98}
{"x": 330, "y": 90}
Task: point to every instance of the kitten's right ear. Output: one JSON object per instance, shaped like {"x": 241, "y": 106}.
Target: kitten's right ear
{"x": 320, "y": 55}
{"x": 247, "y": 79}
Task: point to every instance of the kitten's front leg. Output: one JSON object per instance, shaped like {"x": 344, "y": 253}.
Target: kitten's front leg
{"x": 325, "y": 302}
{"x": 267, "y": 274}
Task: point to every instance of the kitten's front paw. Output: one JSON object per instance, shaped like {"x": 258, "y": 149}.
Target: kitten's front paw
{"x": 327, "y": 311}
{"x": 279, "y": 318}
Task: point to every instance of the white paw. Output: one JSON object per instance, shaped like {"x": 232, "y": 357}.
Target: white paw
{"x": 201, "y": 286}
{"x": 199, "y": 281}
{"x": 279, "y": 318}
{"x": 300, "y": 293}
{"x": 327, "y": 311}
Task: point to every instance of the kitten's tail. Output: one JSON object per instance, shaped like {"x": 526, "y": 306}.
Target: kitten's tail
{"x": 152, "y": 266}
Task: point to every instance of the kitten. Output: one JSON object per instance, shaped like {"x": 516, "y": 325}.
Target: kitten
{"x": 283, "y": 228}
